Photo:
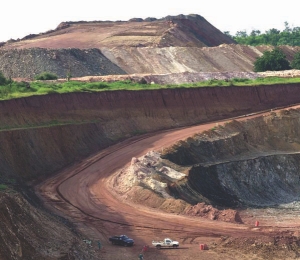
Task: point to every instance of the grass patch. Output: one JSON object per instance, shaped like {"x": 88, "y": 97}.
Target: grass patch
{"x": 3, "y": 187}
{"x": 21, "y": 89}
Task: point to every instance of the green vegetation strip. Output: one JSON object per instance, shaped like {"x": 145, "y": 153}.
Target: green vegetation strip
{"x": 21, "y": 89}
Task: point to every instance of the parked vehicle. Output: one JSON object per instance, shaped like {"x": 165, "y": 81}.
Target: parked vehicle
{"x": 167, "y": 242}
{"x": 122, "y": 240}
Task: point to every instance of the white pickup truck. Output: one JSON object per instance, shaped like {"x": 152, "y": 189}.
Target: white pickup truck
{"x": 167, "y": 242}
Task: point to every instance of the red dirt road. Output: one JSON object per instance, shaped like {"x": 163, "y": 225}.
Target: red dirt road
{"x": 83, "y": 193}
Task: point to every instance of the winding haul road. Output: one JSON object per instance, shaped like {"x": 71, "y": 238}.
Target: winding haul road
{"x": 83, "y": 193}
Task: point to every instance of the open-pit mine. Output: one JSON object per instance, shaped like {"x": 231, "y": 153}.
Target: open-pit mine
{"x": 214, "y": 168}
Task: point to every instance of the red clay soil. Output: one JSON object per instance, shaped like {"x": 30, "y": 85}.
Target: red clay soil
{"x": 84, "y": 194}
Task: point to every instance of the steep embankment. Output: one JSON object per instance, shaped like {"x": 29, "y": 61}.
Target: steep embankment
{"x": 42, "y": 134}
{"x": 255, "y": 162}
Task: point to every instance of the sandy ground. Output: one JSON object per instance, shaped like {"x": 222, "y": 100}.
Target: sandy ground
{"x": 83, "y": 193}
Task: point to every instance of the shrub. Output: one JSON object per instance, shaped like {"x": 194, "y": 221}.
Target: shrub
{"x": 272, "y": 60}
{"x": 4, "y": 91}
{"x": 295, "y": 64}
{"x": 3, "y": 187}
{"x": 46, "y": 76}
{"x": 240, "y": 79}
{"x": 3, "y": 80}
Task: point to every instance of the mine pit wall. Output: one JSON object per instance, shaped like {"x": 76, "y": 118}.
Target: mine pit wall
{"x": 249, "y": 163}
{"x": 42, "y": 134}
{"x": 36, "y": 153}
{"x": 262, "y": 181}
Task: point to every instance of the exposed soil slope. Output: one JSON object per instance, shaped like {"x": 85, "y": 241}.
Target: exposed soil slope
{"x": 181, "y": 30}
{"x": 27, "y": 63}
{"x": 61, "y": 128}
{"x": 224, "y": 58}
{"x": 174, "y": 44}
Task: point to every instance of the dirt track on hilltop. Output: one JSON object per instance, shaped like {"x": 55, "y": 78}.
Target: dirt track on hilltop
{"x": 84, "y": 194}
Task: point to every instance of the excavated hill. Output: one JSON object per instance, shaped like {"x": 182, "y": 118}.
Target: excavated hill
{"x": 171, "y": 45}
{"x": 134, "y": 46}
{"x": 182, "y": 30}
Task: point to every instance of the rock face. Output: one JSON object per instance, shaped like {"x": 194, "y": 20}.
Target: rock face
{"x": 250, "y": 163}
{"x": 262, "y": 181}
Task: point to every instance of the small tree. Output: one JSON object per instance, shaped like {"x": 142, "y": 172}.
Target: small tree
{"x": 295, "y": 64}
{"x": 272, "y": 60}
{"x": 3, "y": 80}
{"x": 69, "y": 75}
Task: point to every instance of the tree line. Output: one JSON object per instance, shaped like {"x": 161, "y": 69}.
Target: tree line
{"x": 289, "y": 36}
{"x": 274, "y": 60}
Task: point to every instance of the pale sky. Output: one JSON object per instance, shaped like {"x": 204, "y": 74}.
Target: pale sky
{"x": 22, "y": 17}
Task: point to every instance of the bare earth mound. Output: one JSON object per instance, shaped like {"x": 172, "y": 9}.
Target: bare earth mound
{"x": 170, "y": 45}
{"x": 181, "y": 30}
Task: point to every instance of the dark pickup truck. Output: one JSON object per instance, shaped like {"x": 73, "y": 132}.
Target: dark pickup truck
{"x": 122, "y": 240}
